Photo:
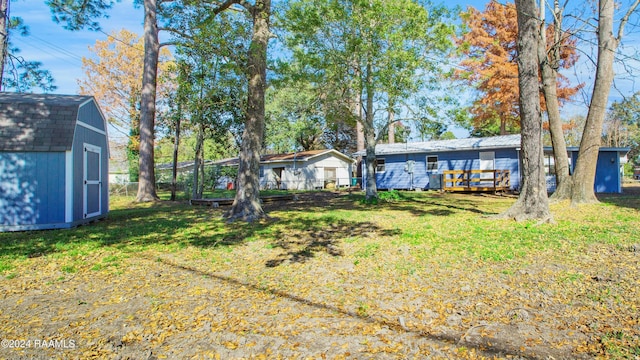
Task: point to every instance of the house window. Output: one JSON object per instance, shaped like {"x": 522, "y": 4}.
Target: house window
{"x": 261, "y": 171}
{"x": 432, "y": 163}
{"x": 379, "y": 165}
{"x": 549, "y": 165}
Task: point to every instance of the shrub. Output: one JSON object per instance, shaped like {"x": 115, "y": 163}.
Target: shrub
{"x": 389, "y": 196}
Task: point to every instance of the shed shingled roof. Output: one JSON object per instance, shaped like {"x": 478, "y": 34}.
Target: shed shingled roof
{"x": 38, "y": 122}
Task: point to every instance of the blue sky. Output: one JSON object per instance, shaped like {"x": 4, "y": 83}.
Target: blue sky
{"x": 61, "y": 51}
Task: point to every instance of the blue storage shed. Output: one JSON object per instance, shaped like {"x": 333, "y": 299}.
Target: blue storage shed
{"x": 413, "y": 165}
{"x": 53, "y": 161}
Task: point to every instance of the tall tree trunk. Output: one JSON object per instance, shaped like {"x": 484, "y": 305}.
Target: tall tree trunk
{"x": 4, "y": 35}
{"x": 360, "y": 142}
{"x": 201, "y": 160}
{"x": 548, "y": 63}
{"x": 357, "y": 112}
{"x": 370, "y": 137}
{"x": 392, "y": 126}
{"x": 176, "y": 147}
{"x": 195, "y": 192}
{"x": 246, "y": 205}
{"x": 533, "y": 202}
{"x": 359, "y": 135}
{"x": 133, "y": 145}
{"x": 503, "y": 127}
{"x": 146, "y": 180}
{"x": 585, "y": 169}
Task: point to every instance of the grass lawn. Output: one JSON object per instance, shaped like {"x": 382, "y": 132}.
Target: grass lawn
{"x": 327, "y": 276}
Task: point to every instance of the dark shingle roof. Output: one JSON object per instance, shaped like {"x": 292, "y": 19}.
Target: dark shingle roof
{"x": 38, "y": 122}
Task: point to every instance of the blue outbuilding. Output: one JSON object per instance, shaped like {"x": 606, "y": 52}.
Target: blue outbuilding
{"x": 435, "y": 164}
{"x": 53, "y": 161}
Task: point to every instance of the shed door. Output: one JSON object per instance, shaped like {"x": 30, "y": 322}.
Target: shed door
{"x": 92, "y": 198}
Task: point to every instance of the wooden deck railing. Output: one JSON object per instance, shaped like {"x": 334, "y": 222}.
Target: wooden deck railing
{"x": 476, "y": 180}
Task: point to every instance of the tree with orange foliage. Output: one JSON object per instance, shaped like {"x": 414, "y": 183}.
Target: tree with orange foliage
{"x": 114, "y": 77}
{"x": 489, "y": 65}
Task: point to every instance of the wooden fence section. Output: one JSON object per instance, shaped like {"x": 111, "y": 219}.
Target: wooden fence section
{"x": 476, "y": 180}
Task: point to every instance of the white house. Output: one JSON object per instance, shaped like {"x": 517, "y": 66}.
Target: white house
{"x": 305, "y": 170}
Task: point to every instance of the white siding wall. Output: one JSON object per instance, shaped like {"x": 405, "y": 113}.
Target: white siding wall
{"x": 343, "y": 169}
{"x": 307, "y": 175}
{"x": 267, "y": 181}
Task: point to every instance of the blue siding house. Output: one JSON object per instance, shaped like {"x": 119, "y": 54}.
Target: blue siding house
{"x": 409, "y": 165}
{"x": 53, "y": 161}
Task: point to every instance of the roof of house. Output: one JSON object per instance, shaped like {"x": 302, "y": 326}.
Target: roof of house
{"x": 38, "y": 122}
{"x": 297, "y": 156}
{"x": 495, "y": 142}
{"x": 302, "y": 155}
{"x": 264, "y": 159}
{"x": 602, "y": 148}
{"x": 183, "y": 165}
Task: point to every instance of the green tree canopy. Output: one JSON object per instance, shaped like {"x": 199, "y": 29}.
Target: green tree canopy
{"x": 622, "y": 126}
{"x": 377, "y": 50}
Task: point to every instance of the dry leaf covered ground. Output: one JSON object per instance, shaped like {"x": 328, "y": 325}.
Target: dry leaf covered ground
{"x": 424, "y": 275}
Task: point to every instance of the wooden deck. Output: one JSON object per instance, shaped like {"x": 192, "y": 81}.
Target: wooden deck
{"x": 476, "y": 180}
{"x": 229, "y": 201}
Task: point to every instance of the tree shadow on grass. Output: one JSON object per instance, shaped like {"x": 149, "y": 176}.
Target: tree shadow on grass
{"x": 303, "y": 238}
{"x": 422, "y": 204}
{"x": 139, "y": 226}
{"x": 442, "y": 208}
{"x": 177, "y": 225}
{"x": 629, "y": 198}
{"x": 180, "y": 224}
{"x": 414, "y": 203}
